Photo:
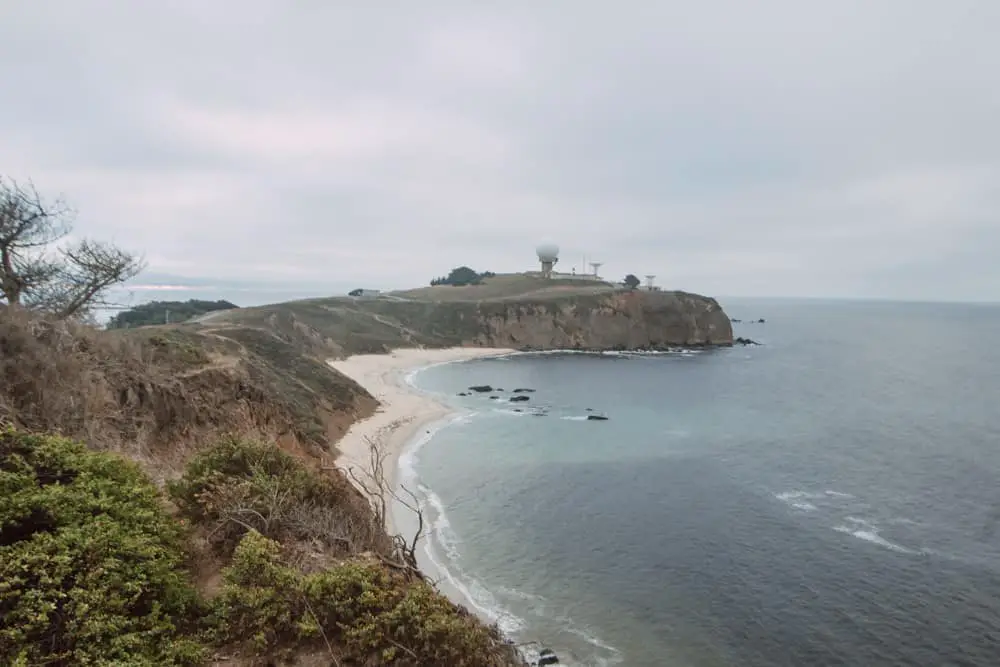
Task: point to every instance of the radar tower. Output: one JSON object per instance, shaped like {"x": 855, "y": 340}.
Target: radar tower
{"x": 548, "y": 256}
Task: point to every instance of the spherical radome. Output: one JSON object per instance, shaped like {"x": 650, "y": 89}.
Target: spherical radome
{"x": 547, "y": 251}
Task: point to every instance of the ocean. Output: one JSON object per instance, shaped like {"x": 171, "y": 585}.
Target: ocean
{"x": 830, "y": 497}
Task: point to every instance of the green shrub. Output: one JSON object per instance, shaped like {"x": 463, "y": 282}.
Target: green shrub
{"x": 238, "y": 485}
{"x": 91, "y": 565}
{"x": 366, "y": 610}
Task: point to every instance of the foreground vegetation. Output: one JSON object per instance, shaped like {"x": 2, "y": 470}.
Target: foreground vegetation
{"x": 94, "y": 568}
{"x": 201, "y": 521}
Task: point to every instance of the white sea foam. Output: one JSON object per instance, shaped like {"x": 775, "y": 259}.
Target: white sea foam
{"x": 863, "y": 522}
{"x": 443, "y": 552}
{"x": 515, "y": 593}
{"x": 447, "y": 565}
{"x": 806, "y": 507}
{"x": 444, "y": 538}
{"x": 512, "y": 412}
{"x": 871, "y": 535}
{"x": 788, "y": 496}
{"x": 575, "y": 418}
{"x": 838, "y": 494}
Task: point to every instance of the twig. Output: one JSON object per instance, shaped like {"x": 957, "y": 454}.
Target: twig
{"x": 329, "y": 647}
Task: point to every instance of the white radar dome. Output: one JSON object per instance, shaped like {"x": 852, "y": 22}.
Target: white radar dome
{"x": 548, "y": 252}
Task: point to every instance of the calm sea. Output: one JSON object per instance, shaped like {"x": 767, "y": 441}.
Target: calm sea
{"x": 831, "y": 497}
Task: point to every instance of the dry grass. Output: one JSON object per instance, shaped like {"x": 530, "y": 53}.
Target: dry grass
{"x": 159, "y": 394}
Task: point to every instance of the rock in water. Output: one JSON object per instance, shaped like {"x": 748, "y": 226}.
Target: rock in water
{"x": 518, "y": 399}
{"x": 481, "y": 388}
{"x": 596, "y": 418}
{"x": 547, "y": 657}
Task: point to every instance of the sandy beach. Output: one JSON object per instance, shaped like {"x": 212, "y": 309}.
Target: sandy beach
{"x": 402, "y": 412}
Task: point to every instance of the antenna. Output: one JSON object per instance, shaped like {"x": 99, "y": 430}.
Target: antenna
{"x": 649, "y": 281}
{"x": 595, "y": 266}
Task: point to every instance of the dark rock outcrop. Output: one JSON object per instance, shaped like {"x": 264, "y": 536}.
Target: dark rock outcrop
{"x": 519, "y": 399}
{"x": 597, "y": 418}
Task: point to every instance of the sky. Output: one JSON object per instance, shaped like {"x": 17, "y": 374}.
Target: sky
{"x": 283, "y": 148}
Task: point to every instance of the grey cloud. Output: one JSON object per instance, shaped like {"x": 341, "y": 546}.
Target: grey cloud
{"x": 771, "y": 148}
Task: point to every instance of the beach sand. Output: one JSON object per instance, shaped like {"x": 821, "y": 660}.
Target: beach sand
{"x": 402, "y": 413}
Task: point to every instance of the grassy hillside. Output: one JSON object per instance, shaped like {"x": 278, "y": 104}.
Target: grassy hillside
{"x": 508, "y": 286}
{"x": 447, "y": 315}
{"x": 187, "y": 511}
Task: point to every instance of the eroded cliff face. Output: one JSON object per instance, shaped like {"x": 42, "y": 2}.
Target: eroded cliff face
{"x": 622, "y": 320}
{"x": 612, "y": 320}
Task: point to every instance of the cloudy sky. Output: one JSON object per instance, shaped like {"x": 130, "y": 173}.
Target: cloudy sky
{"x": 845, "y": 148}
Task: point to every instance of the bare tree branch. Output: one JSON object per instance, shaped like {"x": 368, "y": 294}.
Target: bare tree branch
{"x": 38, "y": 273}
{"x": 378, "y": 489}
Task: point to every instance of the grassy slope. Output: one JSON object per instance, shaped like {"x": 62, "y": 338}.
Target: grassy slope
{"x": 429, "y": 316}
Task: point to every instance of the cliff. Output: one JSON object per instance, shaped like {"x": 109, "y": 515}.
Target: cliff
{"x": 537, "y": 316}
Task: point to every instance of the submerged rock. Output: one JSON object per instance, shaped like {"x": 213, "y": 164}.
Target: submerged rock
{"x": 518, "y": 399}
{"x": 597, "y": 418}
{"x": 481, "y": 388}
{"x": 523, "y": 390}
{"x": 740, "y": 340}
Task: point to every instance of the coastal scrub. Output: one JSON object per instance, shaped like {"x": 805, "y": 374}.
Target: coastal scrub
{"x": 91, "y": 565}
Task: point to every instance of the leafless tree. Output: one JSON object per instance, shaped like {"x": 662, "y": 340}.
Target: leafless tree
{"x": 377, "y": 487}
{"x": 39, "y": 271}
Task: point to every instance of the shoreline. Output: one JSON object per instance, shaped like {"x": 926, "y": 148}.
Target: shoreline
{"x": 402, "y": 412}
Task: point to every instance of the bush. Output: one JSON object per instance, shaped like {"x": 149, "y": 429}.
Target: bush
{"x": 91, "y": 565}
{"x": 369, "y": 612}
{"x": 239, "y": 485}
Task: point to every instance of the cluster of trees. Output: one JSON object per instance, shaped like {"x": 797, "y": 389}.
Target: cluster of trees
{"x": 631, "y": 281}
{"x": 42, "y": 269}
{"x": 462, "y": 275}
{"x": 165, "y": 312}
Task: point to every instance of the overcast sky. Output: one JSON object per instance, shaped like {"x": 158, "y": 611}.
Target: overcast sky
{"x": 771, "y": 148}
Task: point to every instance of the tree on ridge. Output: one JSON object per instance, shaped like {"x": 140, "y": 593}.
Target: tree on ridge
{"x": 41, "y": 270}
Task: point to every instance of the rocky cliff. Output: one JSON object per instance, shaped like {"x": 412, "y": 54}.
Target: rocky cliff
{"x": 622, "y": 320}
{"x": 608, "y": 319}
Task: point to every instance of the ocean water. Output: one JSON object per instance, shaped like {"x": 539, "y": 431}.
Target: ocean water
{"x": 831, "y": 497}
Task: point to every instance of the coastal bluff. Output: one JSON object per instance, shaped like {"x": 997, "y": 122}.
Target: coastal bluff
{"x": 619, "y": 321}
{"x": 530, "y": 314}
